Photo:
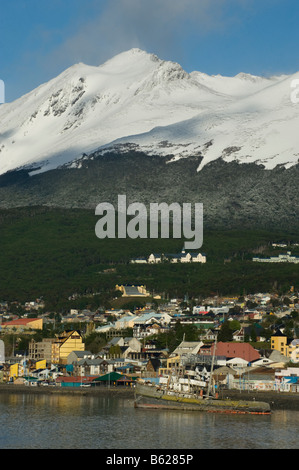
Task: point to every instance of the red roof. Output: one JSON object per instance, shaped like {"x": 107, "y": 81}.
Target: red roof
{"x": 242, "y": 350}
{"x": 20, "y": 321}
{"x": 76, "y": 379}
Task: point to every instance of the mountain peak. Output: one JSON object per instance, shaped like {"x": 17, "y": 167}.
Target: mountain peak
{"x": 139, "y": 99}
{"x": 130, "y": 57}
{"x": 137, "y": 51}
{"x": 248, "y": 76}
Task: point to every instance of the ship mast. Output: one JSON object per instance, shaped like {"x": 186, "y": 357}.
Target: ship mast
{"x": 212, "y": 368}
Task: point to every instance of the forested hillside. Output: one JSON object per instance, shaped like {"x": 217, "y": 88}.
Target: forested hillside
{"x": 54, "y": 253}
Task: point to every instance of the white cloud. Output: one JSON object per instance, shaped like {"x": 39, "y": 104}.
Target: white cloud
{"x": 158, "y": 26}
{"x": 168, "y": 28}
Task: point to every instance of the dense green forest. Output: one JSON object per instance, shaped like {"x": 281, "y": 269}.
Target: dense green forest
{"x": 54, "y": 253}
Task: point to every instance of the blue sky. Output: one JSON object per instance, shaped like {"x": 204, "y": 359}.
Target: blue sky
{"x": 41, "y": 38}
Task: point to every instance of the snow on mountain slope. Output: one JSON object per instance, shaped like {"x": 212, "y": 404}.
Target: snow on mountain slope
{"x": 262, "y": 127}
{"x": 239, "y": 86}
{"x": 135, "y": 97}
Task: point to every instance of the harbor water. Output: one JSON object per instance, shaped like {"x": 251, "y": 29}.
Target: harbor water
{"x": 45, "y": 421}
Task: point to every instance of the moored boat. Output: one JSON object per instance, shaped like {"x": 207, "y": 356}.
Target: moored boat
{"x": 192, "y": 390}
{"x": 155, "y": 397}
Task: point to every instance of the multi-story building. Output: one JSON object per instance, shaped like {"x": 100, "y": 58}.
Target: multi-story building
{"x": 279, "y": 342}
{"x": 45, "y": 349}
{"x": 56, "y": 350}
{"x": 183, "y": 257}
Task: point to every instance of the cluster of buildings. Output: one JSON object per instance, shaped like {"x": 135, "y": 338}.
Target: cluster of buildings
{"x": 235, "y": 366}
{"x": 54, "y": 351}
{"x": 131, "y": 350}
{"x": 231, "y": 365}
{"x": 183, "y": 257}
{"x": 282, "y": 258}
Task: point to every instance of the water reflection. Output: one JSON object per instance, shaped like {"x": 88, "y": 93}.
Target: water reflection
{"x": 103, "y": 422}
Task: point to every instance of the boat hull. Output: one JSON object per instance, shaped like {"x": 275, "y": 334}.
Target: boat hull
{"x": 150, "y": 397}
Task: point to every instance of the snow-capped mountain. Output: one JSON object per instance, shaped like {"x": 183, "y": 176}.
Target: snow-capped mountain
{"x": 139, "y": 99}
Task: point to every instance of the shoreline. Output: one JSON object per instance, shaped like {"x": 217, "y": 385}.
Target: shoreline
{"x": 277, "y": 400}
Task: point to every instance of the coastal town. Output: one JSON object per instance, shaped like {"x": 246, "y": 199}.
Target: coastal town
{"x": 247, "y": 343}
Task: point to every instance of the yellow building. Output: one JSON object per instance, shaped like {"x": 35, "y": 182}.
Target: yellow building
{"x": 173, "y": 366}
{"x": 41, "y": 364}
{"x": 14, "y": 371}
{"x": 68, "y": 342}
{"x": 22, "y": 324}
{"x": 279, "y": 342}
{"x": 133, "y": 291}
{"x": 56, "y": 350}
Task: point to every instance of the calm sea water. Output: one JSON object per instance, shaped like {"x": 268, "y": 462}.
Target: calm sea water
{"x": 101, "y": 422}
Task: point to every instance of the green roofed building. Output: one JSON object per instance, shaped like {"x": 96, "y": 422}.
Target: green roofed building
{"x": 113, "y": 379}
{"x": 111, "y": 376}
